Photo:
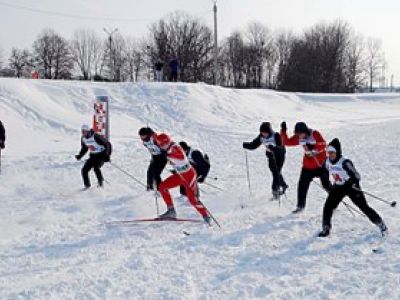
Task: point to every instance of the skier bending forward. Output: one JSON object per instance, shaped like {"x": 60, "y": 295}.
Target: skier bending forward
{"x": 346, "y": 183}
{"x": 183, "y": 174}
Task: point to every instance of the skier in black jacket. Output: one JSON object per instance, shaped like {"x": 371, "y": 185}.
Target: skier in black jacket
{"x": 199, "y": 161}
{"x": 275, "y": 151}
{"x": 346, "y": 182}
{"x": 2, "y": 136}
{"x": 100, "y": 152}
{"x": 158, "y": 158}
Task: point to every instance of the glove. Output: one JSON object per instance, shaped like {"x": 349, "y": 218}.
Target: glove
{"x": 78, "y": 157}
{"x": 2, "y": 146}
{"x": 245, "y": 145}
{"x": 200, "y": 179}
{"x": 107, "y": 158}
{"x": 310, "y": 146}
{"x": 283, "y": 126}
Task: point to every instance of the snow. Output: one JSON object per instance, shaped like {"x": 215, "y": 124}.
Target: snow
{"x": 53, "y": 244}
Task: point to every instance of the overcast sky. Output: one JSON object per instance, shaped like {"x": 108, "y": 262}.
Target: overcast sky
{"x": 19, "y": 27}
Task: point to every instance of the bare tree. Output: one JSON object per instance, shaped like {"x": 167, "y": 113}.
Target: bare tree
{"x": 135, "y": 58}
{"x": 234, "y": 53}
{"x": 19, "y": 61}
{"x": 375, "y": 59}
{"x": 52, "y": 55}
{"x": 284, "y": 41}
{"x": 114, "y": 57}
{"x": 355, "y": 63}
{"x": 189, "y": 40}
{"x": 86, "y": 48}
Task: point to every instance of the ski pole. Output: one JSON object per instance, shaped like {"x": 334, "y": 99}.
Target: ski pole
{"x": 198, "y": 199}
{"x": 213, "y": 186}
{"x": 129, "y": 175}
{"x": 248, "y": 176}
{"x": 392, "y": 204}
{"x": 348, "y": 206}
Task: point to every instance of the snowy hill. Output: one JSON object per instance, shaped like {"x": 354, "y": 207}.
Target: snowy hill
{"x": 53, "y": 244}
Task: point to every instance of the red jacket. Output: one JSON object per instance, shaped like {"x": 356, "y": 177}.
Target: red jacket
{"x": 313, "y": 158}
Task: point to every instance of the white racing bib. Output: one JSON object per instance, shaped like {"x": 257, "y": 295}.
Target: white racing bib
{"x": 92, "y": 145}
{"x": 270, "y": 141}
{"x": 337, "y": 172}
{"x": 152, "y": 147}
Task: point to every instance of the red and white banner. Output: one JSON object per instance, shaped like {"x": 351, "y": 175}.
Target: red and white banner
{"x": 101, "y": 116}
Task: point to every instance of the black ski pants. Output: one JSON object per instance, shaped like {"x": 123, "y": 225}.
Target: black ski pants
{"x": 357, "y": 197}
{"x": 94, "y": 162}
{"x": 276, "y": 160}
{"x": 306, "y": 176}
{"x": 157, "y": 165}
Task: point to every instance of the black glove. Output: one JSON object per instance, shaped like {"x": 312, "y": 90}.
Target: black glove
{"x": 200, "y": 179}
{"x": 310, "y": 147}
{"x": 2, "y": 145}
{"x": 283, "y": 126}
{"x": 245, "y": 145}
{"x": 107, "y": 158}
{"x": 78, "y": 157}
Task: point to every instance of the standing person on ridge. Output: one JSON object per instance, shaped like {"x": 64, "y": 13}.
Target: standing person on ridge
{"x": 183, "y": 174}
{"x": 346, "y": 183}
{"x": 275, "y": 152}
{"x": 100, "y": 151}
{"x": 313, "y": 161}
{"x": 158, "y": 157}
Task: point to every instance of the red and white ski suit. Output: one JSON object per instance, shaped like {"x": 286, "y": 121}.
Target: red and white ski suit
{"x": 184, "y": 174}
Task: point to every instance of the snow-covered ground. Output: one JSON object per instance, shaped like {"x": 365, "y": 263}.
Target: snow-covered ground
{"x": 53, "y": 244}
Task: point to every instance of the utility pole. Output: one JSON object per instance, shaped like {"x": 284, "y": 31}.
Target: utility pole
{"x": 215, "y": 44}
{"x": 391, "y": 83}
{"x": 112, "y": 58}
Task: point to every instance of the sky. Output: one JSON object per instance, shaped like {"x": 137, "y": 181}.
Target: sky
{"x": 20, "y": 27}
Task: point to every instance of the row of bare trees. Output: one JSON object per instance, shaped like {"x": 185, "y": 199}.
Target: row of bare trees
{"x": 325, "y": 58}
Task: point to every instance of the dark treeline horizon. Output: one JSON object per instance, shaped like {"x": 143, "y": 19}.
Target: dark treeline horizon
{"x": 326, "y": 58}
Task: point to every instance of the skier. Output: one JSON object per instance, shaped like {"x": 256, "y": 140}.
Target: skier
{"x": 199, "y": 161}
{"x": 158, "y": 157}
{"x": 100, "y": 150}
{"x": 183, "y": 174}
{"x": 313, "y": 161}
{"x": 275, "y": 152}
{"x": 346, "y": 183}
{"x": 173, "y": 69}
{"x": 159, "y": 70}
{"x": 2, "y": 136}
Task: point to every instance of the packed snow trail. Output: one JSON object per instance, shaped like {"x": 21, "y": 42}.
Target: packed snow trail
{"x": 53, "y": 244}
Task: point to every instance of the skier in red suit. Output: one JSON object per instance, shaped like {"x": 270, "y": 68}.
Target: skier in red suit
{"x": 313, "y": 161}
{"x": 183, "y": 174}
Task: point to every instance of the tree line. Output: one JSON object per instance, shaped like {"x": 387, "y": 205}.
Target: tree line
{"x": 327, "y": 57}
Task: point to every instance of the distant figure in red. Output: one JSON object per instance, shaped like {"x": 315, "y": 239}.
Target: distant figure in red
{"x": 183, "y": 174}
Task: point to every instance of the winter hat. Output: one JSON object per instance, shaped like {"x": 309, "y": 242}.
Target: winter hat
{"x": 184, "y": 145}
{"x": 266, "y": 127}
{"x": 85, "y": 127}
{"x": 145, "y": 131}
{"x": 301, "y": 127}
{"x": 164, "y": 141}
{"x": 334, "y": 146}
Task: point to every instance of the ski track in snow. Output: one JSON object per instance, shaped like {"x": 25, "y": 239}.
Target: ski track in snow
{"x": 54, "y": 244}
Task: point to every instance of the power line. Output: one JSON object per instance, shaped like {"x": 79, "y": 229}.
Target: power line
{"x": 71, "y": 16}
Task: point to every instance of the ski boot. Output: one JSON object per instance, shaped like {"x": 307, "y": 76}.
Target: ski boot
{"x": 100, "y": 183}
{"x": 326, "y": 230}
{"x": 283, "y": 191}
{"x": 383, "y": 228}
{"x": 169, "y": 214}
{"x": 298, "y": 210}
{"x": 207, "y": 220}
{"x": 275, "y": 195}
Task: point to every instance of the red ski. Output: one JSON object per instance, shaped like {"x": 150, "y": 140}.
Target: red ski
{"x": 136, "y": 221}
